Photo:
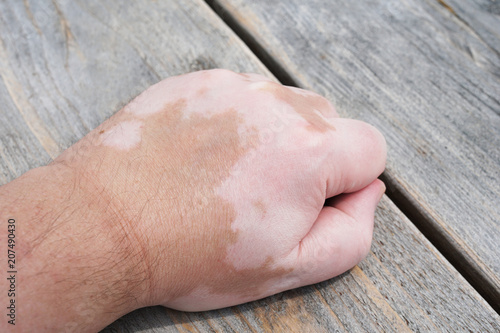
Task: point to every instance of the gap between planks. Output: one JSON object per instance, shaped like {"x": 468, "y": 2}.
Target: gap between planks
{"x": 407, "y": 205}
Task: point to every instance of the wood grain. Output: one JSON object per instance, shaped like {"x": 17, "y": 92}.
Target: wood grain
{"x": 68, "y": 65}
{"x": 65, "y": 66}
{"x": 427, "y": 73}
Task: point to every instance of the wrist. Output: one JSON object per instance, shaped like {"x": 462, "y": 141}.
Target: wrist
{"x": 78, "y": 266}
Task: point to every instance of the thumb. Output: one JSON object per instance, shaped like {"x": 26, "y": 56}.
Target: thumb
{"x": 341, "y": 236}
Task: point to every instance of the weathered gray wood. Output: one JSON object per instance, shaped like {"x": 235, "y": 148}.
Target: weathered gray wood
{"x": 427, "y": 73}
{"x": 68, "y": 65}
{"x": 65, "y": 66}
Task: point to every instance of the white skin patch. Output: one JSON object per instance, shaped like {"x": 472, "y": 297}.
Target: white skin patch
{"x": 124, "y": 135}
{"x": 169, "y": 91}
{"x": 187, "y": 87}
{"x": 265, "y": 214}
{"x": 150, "y": 101}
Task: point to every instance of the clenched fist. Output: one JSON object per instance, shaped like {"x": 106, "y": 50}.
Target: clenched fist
{"x": 207, "y": 190}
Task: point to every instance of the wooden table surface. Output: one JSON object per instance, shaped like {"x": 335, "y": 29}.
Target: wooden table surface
{"x": 426, "y": 73}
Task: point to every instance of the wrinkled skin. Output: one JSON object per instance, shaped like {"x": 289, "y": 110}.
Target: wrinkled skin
{"x": 205, "y": 191}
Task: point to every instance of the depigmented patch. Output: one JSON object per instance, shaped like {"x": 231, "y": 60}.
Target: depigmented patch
{"x": 124, "y": 135}
{"x": 311, "y": 107}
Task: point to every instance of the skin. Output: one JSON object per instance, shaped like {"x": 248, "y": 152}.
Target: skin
{"x": 207, "y": 190}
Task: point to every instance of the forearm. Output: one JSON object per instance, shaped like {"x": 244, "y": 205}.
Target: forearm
{"x": 72, "y": 265}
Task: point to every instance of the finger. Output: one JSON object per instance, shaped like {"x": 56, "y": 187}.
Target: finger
{"x": 357, "y": 156}
{"x": 340, "y": 238}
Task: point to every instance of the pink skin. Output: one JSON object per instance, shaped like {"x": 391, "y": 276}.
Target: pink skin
{"x": 279, "y": 185}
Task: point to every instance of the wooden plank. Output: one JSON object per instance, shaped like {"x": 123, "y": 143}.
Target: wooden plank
{"x": 65, "y": 66}
{"x": 427, "y": 73}
{"x": 19, "y": 148}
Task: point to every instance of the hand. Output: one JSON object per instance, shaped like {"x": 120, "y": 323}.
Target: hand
{"x": 212, "y": 186}
{"x": 221, "y": 178}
